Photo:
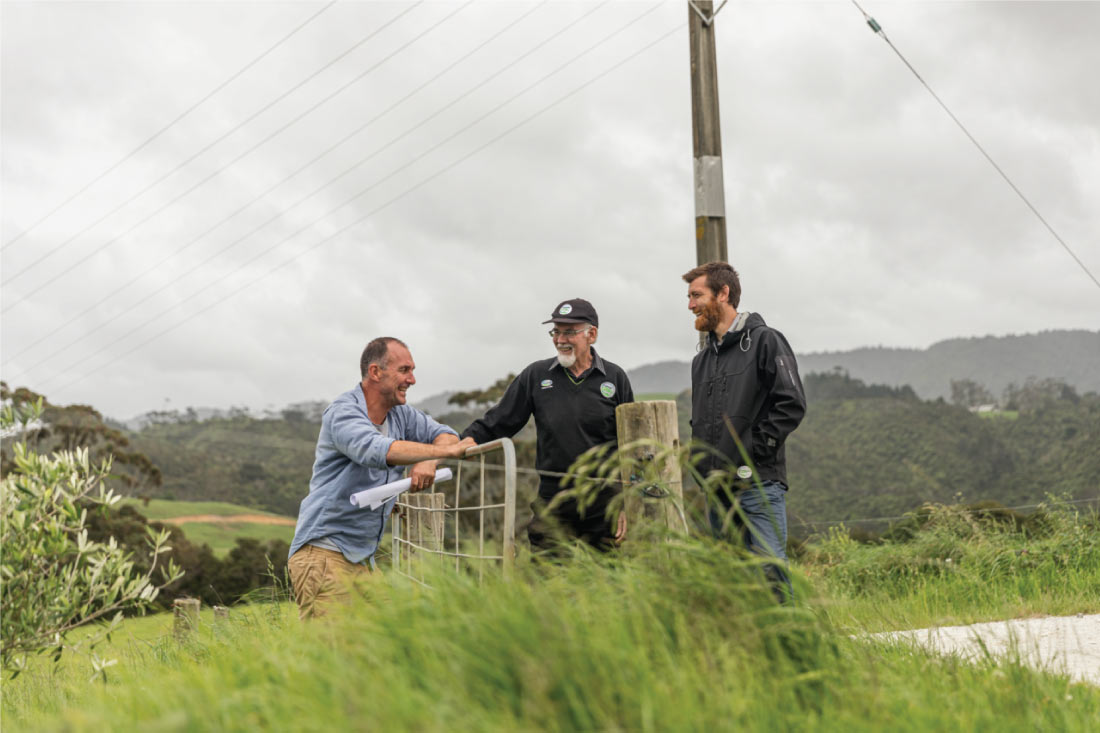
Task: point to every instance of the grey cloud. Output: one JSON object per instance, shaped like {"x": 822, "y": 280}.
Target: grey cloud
{"x": 858, "y": 213}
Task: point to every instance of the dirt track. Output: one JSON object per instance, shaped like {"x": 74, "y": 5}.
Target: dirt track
{"x": 232, "y": 519}
{"x": 1068, "y": 645}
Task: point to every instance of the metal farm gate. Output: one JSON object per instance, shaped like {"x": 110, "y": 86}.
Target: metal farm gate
{"x": 429, "y": 532}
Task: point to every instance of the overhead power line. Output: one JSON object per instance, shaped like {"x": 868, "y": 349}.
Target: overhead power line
{"x": 405, "y": 133}
{"x": 233, "y": 77}
{"x": 90, "y": 371}
{"x": 204, "y": 149}
{"x": 362, "y": 192}
{"x": 270, "y": 136}
{"x": 877, "y": 28}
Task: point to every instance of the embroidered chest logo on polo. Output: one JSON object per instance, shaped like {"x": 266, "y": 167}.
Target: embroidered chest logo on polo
{"x": 547, "y": 383}
{"x": 607, "y": 389}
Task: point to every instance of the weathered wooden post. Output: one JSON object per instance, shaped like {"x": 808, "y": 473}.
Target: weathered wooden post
{"x": 185, "y": 621}
{"x": 648, "y": 501}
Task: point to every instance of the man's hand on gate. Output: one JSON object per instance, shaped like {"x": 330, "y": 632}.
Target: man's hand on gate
{"x": 620, "y": 531}
{"x": 458, "y": 450}
{"x": 422, "y": 475}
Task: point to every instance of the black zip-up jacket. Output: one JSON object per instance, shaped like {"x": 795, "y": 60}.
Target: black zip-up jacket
{"x": 751, "y": 379}
{"x": 569, "y": 418}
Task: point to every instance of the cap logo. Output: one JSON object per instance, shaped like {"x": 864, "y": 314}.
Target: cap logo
{"x": 607, "y": 389}
{"x": 565, "y": 310}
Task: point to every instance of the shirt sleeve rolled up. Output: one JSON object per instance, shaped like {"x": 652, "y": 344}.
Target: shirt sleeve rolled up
{"x": 358, "y": 439}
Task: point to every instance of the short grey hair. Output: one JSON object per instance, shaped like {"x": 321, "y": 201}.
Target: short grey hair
{"x": 377, "y": 352}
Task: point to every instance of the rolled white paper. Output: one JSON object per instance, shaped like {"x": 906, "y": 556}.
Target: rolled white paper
{"x": 376, "y": 497}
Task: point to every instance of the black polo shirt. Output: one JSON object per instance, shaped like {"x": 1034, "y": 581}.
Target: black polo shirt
{"x": 571, "y": 414}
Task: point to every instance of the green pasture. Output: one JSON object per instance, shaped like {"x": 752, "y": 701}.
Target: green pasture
{"x": 159, "y": 509}
{"x": 1000, "y": 415}
{"x": 649, "y": 396}
{"x": 221, "y": 536}
{"x": 663, "y": 636}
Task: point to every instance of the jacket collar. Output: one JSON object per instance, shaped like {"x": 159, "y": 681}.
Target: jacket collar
{"x": 741, "y": 328}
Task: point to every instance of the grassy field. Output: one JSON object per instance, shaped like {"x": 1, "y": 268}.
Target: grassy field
{"x": 1000, "y": 415}
{"x": 960, "y": 569}
{"x": 648, "y": 396}
{"x": 667, "y": 636}
{"x": 220, "y": 535}
{"x": 161, "y": 509}
{"x": 223, "y": 536}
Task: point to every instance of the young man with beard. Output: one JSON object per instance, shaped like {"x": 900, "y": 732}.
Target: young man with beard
{"x": 573, "y": 397}
{"x": 745, "y": 390}
{"x": 367, "y": 435}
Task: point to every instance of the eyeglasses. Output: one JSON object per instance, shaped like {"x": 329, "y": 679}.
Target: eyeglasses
{"x": 555, "y": 332}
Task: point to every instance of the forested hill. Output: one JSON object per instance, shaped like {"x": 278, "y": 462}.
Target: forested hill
{"x": 992, "y": 361}
{"x": 862, "y": 451}
{"x": 881, "y": 457}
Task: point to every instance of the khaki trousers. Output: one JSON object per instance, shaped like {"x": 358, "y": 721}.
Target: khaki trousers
{"x": 321, "y": 577}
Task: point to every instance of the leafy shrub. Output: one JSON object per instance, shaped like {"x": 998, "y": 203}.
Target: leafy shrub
{"x": 55, "y": 578}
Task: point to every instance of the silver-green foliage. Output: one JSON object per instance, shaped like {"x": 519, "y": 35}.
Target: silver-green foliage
{"x": 54, "y": 577}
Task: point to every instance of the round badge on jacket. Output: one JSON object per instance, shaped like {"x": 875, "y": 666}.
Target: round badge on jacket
{"x": 744, "y": 472}
{"x": 607, "y": 389}
{"x": 565, "y": 310}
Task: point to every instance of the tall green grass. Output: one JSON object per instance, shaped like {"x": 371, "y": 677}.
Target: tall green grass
{"x": 671, "y": 636}
{"x": 961, "y": 566}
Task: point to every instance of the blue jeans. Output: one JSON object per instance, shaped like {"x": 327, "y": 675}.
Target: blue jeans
{"x": 760, "y": 520}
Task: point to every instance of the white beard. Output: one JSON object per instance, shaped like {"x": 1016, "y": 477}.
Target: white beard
{"x": 567, "y": 360}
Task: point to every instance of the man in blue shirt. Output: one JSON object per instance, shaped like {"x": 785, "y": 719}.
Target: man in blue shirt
{"x": 367, "y": 434}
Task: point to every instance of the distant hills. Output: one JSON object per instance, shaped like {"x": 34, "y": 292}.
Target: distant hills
{"x": 993, "y": 361}
{"x": 869, "y": 447}
{"x": 863, "y": 451}
{"x": 437, "y": 403}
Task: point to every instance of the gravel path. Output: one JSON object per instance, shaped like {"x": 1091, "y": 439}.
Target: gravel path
{"x": 1067, "y": 645}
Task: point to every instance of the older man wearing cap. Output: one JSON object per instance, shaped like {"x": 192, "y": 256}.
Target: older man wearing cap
{"x": 573, "y": 397}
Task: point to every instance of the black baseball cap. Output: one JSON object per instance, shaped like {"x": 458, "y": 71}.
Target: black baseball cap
{"x": 577, "y": 310}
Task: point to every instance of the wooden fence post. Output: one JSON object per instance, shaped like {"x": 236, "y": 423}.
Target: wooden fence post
{"x": 654, "y": 421}
{"x": 185, "y": 621}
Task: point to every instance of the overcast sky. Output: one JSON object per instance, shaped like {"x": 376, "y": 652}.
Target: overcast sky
{"x": 858, "y": 214}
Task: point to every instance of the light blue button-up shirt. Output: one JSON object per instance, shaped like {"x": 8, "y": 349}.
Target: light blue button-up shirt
{"x": 351, "y": 457}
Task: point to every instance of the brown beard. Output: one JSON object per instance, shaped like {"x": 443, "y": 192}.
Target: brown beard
{"x": 709, "y": 319}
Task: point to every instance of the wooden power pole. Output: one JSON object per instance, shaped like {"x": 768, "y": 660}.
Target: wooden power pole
{"x": 706, "y": 135}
